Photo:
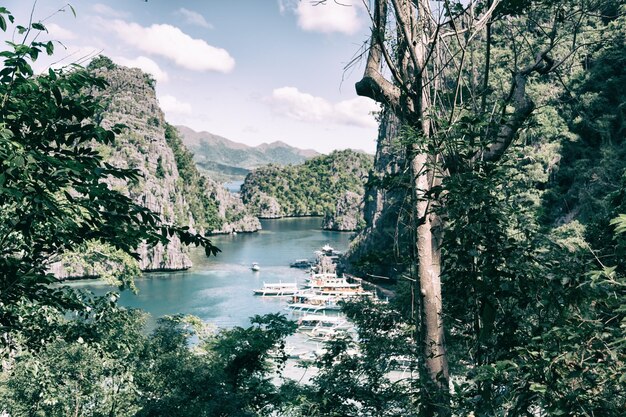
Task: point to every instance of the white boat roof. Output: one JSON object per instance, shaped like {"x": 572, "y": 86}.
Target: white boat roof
{"x": 320, "y": 317}
{"x": 280, "y": 285}
{"x": 325, "y": 275}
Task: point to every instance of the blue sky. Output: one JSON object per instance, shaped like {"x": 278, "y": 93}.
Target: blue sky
{"x": 252, "y": 71}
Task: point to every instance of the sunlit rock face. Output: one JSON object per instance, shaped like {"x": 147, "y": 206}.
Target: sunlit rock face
{"x": 347, "y": 215}
{"x": 130, "y": 99}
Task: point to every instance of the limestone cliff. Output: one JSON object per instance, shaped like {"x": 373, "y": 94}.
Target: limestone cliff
{"x": 347, "y": 214}
{"x": 170, "y": 185}
{"x": 130, "y": 99}
{"x": 328, "y": 185}
{"x": 379, "y": 248}
{"x": 234, "y": 213}
{"x": 214, "y": 209}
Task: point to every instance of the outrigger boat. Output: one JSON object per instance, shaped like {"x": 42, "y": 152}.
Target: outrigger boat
{"x": 277, "y": 289}
{"x": 311, "y": 302}
{"x": 312, "y": 321}
{"x": 330, "y": 282}
{"x": 324, "y": 334}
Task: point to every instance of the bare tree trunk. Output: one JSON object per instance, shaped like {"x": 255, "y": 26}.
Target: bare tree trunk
{"x": 434, "y": 374}
{"x": 416, "y": 57}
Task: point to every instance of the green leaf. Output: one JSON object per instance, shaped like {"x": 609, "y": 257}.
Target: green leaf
{"x": 38, "y": 26}
{"x": 620, "y": 223}
{"x": 57, "y": 95}
{"x": 536, "y": 387}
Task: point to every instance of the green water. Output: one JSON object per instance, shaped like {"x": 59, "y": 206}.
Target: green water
{"x": 219, "y": 289}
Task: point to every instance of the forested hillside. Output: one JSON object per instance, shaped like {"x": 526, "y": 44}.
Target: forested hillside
{"x": 325, "y": 185}
{"x": 215, "y": 210}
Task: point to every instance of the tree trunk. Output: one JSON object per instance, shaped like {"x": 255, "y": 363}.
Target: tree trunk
{"x": 434, "y": 374}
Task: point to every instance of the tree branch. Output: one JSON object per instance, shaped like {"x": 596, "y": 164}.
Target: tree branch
{"x": 373, "y": 84}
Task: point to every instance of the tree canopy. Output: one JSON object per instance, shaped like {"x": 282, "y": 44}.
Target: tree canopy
{"x": 54, "y": 194}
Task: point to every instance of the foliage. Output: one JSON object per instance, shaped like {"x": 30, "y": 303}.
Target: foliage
{"x": 54, "y": 196}
{"x": 103, "y": 363}
{"x": 95, "y": 259}
{"x": 203, "y": 206}
{"x": 376, "y": 376}
{"x": 310, "y": 189}
{"x": 534, "y": 314}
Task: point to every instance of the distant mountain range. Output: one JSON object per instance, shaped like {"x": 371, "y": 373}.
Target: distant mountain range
{"x": 226, "y": 160}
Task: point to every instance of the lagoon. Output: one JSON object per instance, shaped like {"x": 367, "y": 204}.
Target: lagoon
{"x": 218, "y": 290}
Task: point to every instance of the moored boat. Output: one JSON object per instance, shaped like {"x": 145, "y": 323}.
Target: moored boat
{"x": 277, "y": 289}
{"x": 301, "y": 263}
{"x": 307, "y": 301}
{"x": 331, "y": 282}
{"x": 255, "y": 266}
{"x": 312, "y": 321}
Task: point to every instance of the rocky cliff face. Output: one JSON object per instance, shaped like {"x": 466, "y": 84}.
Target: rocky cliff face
{"x": 347, "y": 214}
{"x": 233, "y": 212}
{"x": 130, "y": 99}
{"x": 379, "y": 247}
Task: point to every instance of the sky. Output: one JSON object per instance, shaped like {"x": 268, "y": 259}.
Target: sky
{"x": 253, "y": 71}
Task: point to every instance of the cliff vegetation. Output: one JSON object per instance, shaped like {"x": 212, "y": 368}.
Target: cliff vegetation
{"x": 328, "y": 185}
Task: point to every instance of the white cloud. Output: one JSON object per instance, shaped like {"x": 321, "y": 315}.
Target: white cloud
{"x": 172, "y": 43}
{"x": 194, "y": 18}
{"x": 105, "y": 10}
{"x": 300, "y": 106}
{"x": 291, "y": 102}
{"x": 329, "y": 17}
{"x": 170, "y": 104}
{"x": 145, "y": 64}
{"x": 357, "y": 112}
{"x": 56, "y": 32}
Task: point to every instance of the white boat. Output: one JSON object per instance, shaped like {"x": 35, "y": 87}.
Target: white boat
{"x": 327, "y": 249}
{"x": 312, "y": 321}
{"x": 330, "y": 282}
{"x": 316, "y": 276}
{"x": 306, "y": 301}
{"x": 277, "y": 289}
{"x": 324, "y": 334}
{"x": 255, "y": 266}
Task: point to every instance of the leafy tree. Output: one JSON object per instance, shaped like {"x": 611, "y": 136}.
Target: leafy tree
{"x": 458, "y": 77}
{"x": 228, "y": 374}
{"x": 54, "y": 195}
{"x": 104, "y": 363}
{"x": 374, "y": 377}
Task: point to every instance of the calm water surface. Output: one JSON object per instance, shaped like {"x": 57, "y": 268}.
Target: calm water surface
{"x": 233, "y": 186}
{"x": 219, "y": 289}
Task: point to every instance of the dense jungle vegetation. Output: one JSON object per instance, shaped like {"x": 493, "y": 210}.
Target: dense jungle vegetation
{"x": 309, "y": 189}
{"x": 532, "y": 319}
{"x": 194, "y": 185}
